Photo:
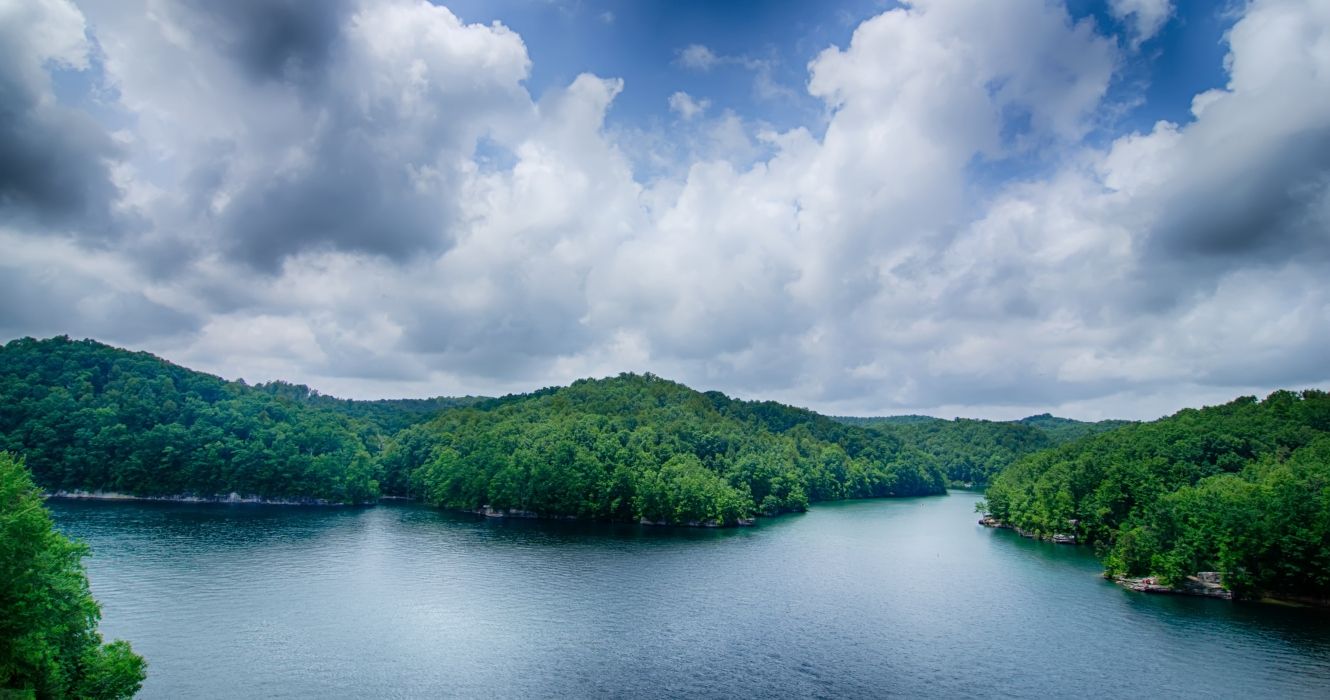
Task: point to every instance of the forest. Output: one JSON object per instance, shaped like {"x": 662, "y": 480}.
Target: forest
{"x": 638, "y": 447}
{"x": 87, "y": 416}
{"x": 974, "y": 451}
{"x": 1242, "y": 489}
{"x": 90, "y": 417}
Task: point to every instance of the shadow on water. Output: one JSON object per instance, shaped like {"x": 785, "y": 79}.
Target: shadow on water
{"x": 557, "y": 530}
{"x": 210, "y": 527}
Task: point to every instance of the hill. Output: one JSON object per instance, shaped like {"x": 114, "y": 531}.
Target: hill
{"x": 91, "y": 417}
{"x": 1063, "y": 430}
{"x": 1242, "y": 489}
{"x": 641, "y": 447}
{"x": 974, "y": 451}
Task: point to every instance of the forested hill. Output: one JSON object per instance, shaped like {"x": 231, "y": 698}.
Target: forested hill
{"x": 1064, "y": 430}
{"x": 640, "y": 447}
{"x": 389, "y": 415}
{"x": 87, "y": 416}
{"x": 90, "y": 417}
{"x": 1242, "y": 488}
{"x": 973, "y": 451}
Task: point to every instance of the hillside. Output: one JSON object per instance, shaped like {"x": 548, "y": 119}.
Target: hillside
{"x": 974, "y": 451}
{"x": 87, "y": 416}
{"x": 1063, "y": 430}
{"x": 640, "y": 447}
{"x": 1242, "y": 489}
{"x": 90, "y": 417}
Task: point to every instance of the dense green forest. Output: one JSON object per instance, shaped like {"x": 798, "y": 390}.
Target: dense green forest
{"x": 973, "y": 451}
{"x": 87, "y": 416}
{"x": 1242, "y": 488}
{"x": 1063, "y": 430}
{"x": 90, "y": 417}
{"x": 49, "y": 644}
{"x": 640, "y": 447}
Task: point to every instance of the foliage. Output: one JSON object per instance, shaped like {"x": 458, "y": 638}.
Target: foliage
{"x": 388, "y": 415}
{"x": 974, "y": 451}
{"x": 1242, "y": 488}
{"x": 91, "y": 417}
{"x": 1061, "y": 431}
{"x": 49, "y": 644}
{"x": 640, "y": 447}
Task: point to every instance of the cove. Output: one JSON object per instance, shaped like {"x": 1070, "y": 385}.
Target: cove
{"x": 856, "y": 599}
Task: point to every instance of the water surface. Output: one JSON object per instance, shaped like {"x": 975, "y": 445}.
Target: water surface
{"x": 868, "y": 598}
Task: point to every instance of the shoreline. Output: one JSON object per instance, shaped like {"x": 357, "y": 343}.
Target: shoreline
{"x": 231, "y": 498}
{"x": 1205, "y": 584}
{"x": 1058, "y": 538}
{"x": 484, "y": 511}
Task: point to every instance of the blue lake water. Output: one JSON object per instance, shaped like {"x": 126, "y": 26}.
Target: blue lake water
{"x": 861, "y": 599}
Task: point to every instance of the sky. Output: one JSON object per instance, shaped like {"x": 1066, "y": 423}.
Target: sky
{"x": 1097, "y": 208}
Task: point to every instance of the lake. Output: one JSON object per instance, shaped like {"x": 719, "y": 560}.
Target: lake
{"x": 860, "y": 599}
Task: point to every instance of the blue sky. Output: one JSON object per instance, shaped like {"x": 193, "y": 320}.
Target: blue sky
{"x": 641, "y": 42}
{"x": 1098, "y": 208}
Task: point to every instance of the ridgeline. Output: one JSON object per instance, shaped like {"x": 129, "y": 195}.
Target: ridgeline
{"x": 974, "y": 451}
{"x": 92, "y": 418}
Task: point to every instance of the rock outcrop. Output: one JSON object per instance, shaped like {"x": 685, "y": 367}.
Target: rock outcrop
{"x": 190, "y": 498}
{"x": 1209, "y": 584}
{"x": 1057, "y": 537}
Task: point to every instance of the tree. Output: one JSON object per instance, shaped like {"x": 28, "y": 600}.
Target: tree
{"x": 49, "y": 644}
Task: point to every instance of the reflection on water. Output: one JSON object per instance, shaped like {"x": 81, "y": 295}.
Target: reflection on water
{"x": 853, "y": 599}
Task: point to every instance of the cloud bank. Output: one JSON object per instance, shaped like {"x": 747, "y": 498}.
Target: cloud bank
{"x": 365, "y": 196}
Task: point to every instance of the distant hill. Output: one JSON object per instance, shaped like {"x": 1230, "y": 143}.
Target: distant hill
{"x": 869, "y": 422}
{"x": 973, "y": 451}
{"x": 391, "y": 415}
{"x": 1064, "y": 430}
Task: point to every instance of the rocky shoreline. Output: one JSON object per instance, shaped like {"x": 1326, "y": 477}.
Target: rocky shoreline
{"x": 1057, "y": 538}
{"x": 77, "y": 495}
{"x": 1207, "y": 584}
{"x": 235, "y": 498}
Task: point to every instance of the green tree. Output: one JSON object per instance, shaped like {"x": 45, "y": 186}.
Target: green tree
{"x": 1242, "y": 489}
{"x": 49, "y": 644}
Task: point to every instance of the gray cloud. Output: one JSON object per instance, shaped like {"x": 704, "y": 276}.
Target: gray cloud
{"x": 275, "y": 40}
{"x": 348, "y": 198}
{"x": 37, "y": 303}
{"x": 377, "y": 117}
{"x": 54, "y": 171}
{"x": 1269, "y": 209}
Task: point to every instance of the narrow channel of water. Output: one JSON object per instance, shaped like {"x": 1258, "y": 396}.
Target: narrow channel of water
{"x": 857, "y": 599}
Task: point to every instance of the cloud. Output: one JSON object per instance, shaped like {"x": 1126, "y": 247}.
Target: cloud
{"x": 367, "y": 198}
{"x": 686, "y": 106}
{"x": 1145, "y": 17}
{"x": 368, "y": 162}
{"x": 50, "y": 287}
{"x": 55, "y": 172}
{"x": 698, "y": 57}
{"x": 278, "y": 40}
